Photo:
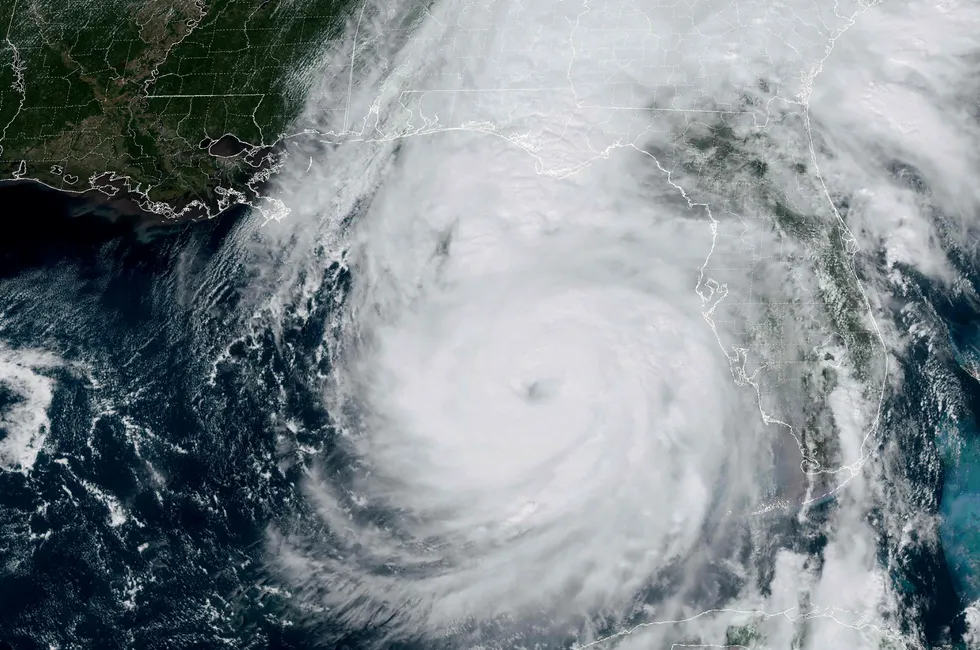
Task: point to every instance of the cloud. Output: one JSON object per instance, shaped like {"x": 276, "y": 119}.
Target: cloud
{"x": 600, "y": 318}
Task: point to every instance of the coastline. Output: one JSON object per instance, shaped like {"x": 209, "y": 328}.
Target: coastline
{"x": 47, "y": 225}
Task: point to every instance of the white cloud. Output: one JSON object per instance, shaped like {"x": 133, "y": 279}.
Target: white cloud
{"x": 533, "y": 394}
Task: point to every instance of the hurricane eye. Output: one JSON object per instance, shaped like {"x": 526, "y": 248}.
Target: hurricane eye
{"x": 540, "y": 390}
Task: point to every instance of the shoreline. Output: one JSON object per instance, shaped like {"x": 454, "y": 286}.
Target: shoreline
{"x": 49, "y": 226}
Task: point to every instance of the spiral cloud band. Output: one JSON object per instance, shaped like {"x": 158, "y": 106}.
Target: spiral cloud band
{"x": 566, "y": 407}
{"x": 539, "y": 404}
{"x": 595, "y": 364}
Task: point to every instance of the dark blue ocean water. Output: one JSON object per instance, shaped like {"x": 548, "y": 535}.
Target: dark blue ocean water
{"x": 136, "y": 316}
{"x": 172, "y": 403}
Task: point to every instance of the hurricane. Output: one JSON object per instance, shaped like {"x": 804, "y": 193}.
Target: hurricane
{"x": 556, "y": 325}
{"x": 591, "y": 372}
{"x": 541, "y": 402}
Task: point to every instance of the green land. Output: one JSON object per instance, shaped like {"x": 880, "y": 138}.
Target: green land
{"x": 138, "y": 89}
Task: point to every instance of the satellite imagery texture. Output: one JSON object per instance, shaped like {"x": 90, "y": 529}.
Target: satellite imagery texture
{"x": 490, "y": 324}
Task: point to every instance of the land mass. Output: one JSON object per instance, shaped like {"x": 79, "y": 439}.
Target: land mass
{"x": 173, "y": 107}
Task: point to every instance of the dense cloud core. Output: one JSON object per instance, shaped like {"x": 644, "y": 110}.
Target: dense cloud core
{"x": 611, "y": 364}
